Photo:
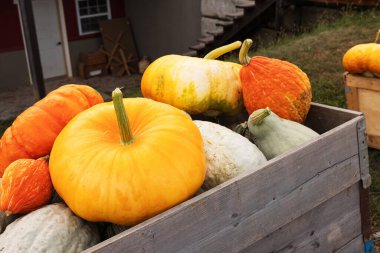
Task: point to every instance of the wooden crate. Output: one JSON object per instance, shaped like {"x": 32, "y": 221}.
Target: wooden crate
{"x": 363, "y": 94}
{"x": 93, "y": 58}
{"x": 88, "y": 71}
{"x": 311, "y": 199}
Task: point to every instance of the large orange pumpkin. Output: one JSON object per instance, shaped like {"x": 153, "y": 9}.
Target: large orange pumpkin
{"x": 25, "y": 186}
{"x": 363, "y": 58}
{"x": 33, "y": 132}
{"x": 273, "y": 83}
{"x": 125, "y": 178}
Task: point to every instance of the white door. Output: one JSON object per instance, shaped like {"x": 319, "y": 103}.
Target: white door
{"x": 49, "y": 38}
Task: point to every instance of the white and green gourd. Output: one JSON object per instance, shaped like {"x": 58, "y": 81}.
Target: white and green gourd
{"x": 52, "y": 228}
{"x": 228, "y": 154}
{"x": 274, "y": 135}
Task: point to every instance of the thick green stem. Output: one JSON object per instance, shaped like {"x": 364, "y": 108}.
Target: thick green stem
{"x": 122, "y": 119}
{"x": 258, "y": 116}
{"x": 243, "y": 53}
{"x": 377, "y": 36}
{"x": 222, "y": 50}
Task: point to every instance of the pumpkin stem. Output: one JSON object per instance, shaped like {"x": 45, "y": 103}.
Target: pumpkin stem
{"x": 243, "y": 53}
{"x": 258, "y": 116}
{"x": 222, "y": 50}
{"x": 377, "y": 36}
{"x": 122, "y": 119}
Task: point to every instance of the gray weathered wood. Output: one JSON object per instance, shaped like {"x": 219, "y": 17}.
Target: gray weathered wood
{"x": 219, "y": 8}
{"x": 207, "y": 39}
{"x": 246, "y": 209}
{"x": 353, "y": 246}
{"x": 323, "y": 117}
{"x": 325, "y": 228}
{"x": 279, "y": 212}
{"x": 209, "y": 25}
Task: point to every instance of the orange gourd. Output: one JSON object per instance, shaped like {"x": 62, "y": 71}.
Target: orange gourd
{"x": 363, "y": 58}
{"x": 127, "y": 166}
{"x": 25, "y": 186}
{"x": 33, "y": 132}
{"x": 280, "y": 85}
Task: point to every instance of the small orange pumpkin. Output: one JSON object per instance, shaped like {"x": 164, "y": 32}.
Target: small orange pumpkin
{"x": 25, "y": 186}
{"x": 33, "y": 132}
{"x": 363, "y": 58}
{"x": 280, "y": 85}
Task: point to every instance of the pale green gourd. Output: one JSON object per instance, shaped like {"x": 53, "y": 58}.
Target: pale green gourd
{"x": 274, "y": 135}
{"x": 53, "y": 228}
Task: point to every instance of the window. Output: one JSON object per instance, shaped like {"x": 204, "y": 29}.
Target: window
{"x": 89, "y": 12}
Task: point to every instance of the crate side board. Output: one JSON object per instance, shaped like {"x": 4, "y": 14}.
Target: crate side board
{"x": 325, "y": 228}
{"x": 353, "y": 246}
{"x": 253, "y": 228}
{"x": 224, "y": 207}
{"x": 322, "y": 118}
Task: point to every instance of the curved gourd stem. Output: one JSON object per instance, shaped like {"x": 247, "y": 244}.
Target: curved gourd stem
{"x": 258, "y": 116}
{"x": 377, "y": 36}
{"x": 222, "y": 50}
{"x": 122, "y": 119}
{"x": 243, "y": 53}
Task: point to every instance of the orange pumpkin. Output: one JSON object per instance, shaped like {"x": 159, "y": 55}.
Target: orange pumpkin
{"x": 25, "y": 186}
{"x": 156, "y": 162}
{"x": 273, "y": 83}
{"x": 33, "y": 132}
{"x": 363, "y": 58}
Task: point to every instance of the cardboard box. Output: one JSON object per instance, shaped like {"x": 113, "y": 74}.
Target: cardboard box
{"x": 363, "y": 94}
{"x": 311, "y": 199}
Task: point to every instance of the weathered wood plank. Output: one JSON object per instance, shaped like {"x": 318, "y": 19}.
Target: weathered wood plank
{"x": 250, "y": 229}
{"x": 322, "y": 118}
{"x": 245, "y": 3}
{"x": 354, "y": 246}
{"x": 207, "y": 39}
{"x": 252, "y": 197}
{"x": 211, "y": 25}
{"x": 219, "y": 8}
{"x": 325, "y": 228}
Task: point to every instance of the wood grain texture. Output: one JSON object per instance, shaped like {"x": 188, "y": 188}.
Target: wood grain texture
{"x": 362, "y": 82}
{"x": 353, "y": 246}
{"x": 250, "y": 207}
{"x": 363, "y": 94}
{"x": 325, "y": 228}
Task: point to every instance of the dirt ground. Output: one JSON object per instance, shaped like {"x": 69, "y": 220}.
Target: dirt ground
{"x": 13, "y": 102}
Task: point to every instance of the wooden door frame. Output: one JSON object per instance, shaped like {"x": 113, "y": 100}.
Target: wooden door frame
{"x": 63, "y": 33}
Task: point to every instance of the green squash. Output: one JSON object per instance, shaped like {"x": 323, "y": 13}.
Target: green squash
{"x": 274, "y": 135}
{"x": 52, "y": 228}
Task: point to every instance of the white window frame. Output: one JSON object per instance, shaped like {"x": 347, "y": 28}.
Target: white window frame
{"x": 79, "y": 17}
